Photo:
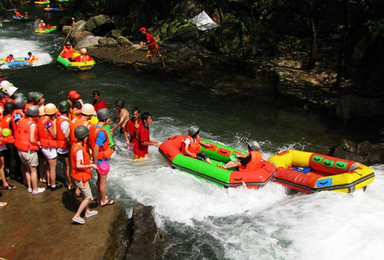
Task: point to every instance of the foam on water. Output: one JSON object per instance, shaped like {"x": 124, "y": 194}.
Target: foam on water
{"x": 249, "y": 223}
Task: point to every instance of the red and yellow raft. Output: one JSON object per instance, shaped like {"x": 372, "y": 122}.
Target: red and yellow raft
{"x": 219, "y": 155}
{"x": 312, "y": 172}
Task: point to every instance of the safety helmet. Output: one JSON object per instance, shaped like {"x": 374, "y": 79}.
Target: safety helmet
{"x": 12, "y": 90}
{"x": 37, "y": 96}
{"x": 254, "y": 146}
{"x": 41, "y": 110}
{"x": 87, "y": 109}
{"x": 32, "y": 111}
{"x": 193, "y": 130}
{"x": 30, "y": 95}
{"x": 103, "y": 114}
{"x": 5, "y": 85}
{"x": 81, "y": 132}
{"x": 50, "y": 109}
{"x": 120, "y": 103}
{"x": 64, "y": 106}
{"x": 20, "y": 102}
{"x": 19, "y": 94}
{"x": 68, "y": 43}
{"x": 83, "y": 50}
{"x": 2, "y": 95}
{"x": 9, "y": 107}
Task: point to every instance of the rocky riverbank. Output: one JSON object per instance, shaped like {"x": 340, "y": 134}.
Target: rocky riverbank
{"x": 39, "y": 226}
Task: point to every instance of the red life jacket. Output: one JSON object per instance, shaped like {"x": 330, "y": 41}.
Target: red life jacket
{"x": 255, "y": 161}
{"x": 14, "y": 124}
{"x": 194, "y": 146}
{"x": 8, "y": 59}
{"x": 83, "y": 58}
{"x": 46, "y": 139}
{"x": 23, "y": 140}
{"x": 6, "y": 122}
{"x": 60, "y": 138}
{"x": 80, "y": 174}
{"x": 75, "y": 123}
{"x": 67, "y": 52}
{"x": 105, "y": 152}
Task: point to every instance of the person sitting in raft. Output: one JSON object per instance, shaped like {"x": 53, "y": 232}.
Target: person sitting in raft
{"x": 17, "y": 14}
{"x": 83, "y": 57}
{"x": 68, "y": 51}
{"x": 26, "y": 15}
{"x": 250, "y": 162}
{"x": 192, "y": 143}
{"x": 30, "y": 57}
{"x": 9, "y": 58}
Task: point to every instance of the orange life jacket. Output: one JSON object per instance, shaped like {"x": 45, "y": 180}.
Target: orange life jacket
{"x": 75, "y": 113}
{"x": 61, "y": 143}
{"x": 75, "y": 123}
{"x": 255, "y": 161}
{"x": 105, "y": 151}
{"x": 83, "y": 58}
{"x": 23, "y": 140}
{"x": 8, "y": 59}
{"x": 67, "y": 52}
{"x": 80, "y": 174}
{"x": 6, "y": 122}
{"x": 3, "y": 141}
{"x": 14, "y": 125}
{"x": 17, "y": 14}
{"x": 46, "y": 139}
{"x": 194, "y": 146}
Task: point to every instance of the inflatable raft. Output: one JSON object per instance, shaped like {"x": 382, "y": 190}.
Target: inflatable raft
{"x": 53, "y": 28}
{"x": 74, "y": 65}
{"x": 219, "y": 155}
{"x": 22, "y": 18}
{"x": 53, "y": 9}
{"x": 312, "y": 172}
{"x": 42, "y": 2}
{"x": 18, "y": 62}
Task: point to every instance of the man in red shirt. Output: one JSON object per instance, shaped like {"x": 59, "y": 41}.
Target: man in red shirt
{"x": 141, "y": 149}
{"x": 153, "y": 47}
{"x": 131, "y": 129}
{"x": 98, "y": 102}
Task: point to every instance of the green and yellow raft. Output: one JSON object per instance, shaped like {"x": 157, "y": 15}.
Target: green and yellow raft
{"x": 53, "y": 28}
{"x": 219, "y": 155}
{"x": 75, "y": 65}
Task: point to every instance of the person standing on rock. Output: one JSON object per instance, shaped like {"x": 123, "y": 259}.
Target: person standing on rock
{"x": 81, "y": 172}
{"x": 153, "y": 46}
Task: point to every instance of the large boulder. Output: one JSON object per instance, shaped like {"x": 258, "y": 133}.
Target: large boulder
{"x": 364, "y": 152}
{"x": 123, "y": 41}
{"x": 78, "y": 37}
{"x": 88, "y": 42}
{"x": 99, "y": 25}
{"x": 147, "y": 238}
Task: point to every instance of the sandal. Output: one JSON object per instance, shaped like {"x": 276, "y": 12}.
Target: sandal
{"x": 109, "y": 202}
{"x": 91, "y": 213}
{"x": 78, "y": 221}
{"x": 9, "y": 187}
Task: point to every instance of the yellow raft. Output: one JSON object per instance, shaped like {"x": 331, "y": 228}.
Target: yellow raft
{"x": 312, "y": 172}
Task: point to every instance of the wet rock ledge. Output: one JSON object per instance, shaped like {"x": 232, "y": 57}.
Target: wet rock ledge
{"x": 39, "y": 227}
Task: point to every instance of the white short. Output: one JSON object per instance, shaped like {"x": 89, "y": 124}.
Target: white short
{"x": 49, "y": 153}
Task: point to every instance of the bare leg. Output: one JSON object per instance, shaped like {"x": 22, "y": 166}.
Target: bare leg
{"x": 2, "y": 175}
{"x": 26, "y": 175}
{"x": 33, "y": 171}
{"x": 103, "y": 188}
{"x": 67, "y": 173}
{"x": 52, "y": 171}
{"x": 83, "y": 206}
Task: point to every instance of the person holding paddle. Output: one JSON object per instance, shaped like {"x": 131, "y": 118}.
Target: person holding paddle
{"x": 153, "y": 47}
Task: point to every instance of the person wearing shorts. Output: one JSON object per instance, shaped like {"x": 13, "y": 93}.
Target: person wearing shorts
{"x": 27, "y": 143}
{"x": 81, "y": 173}
{"x": 153, "y": 46}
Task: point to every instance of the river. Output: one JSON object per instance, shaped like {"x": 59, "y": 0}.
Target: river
{"x": 202, "y": 220}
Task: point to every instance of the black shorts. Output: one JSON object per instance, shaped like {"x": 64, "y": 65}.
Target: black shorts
{"x": 202, "y": 156}
{"x": 63, "y": 155}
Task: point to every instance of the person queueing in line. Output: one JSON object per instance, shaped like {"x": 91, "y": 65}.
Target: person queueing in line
{"x": 153, "y": 46}
{"x": 9, "y": 58}
{"x": 81, "y": 173}
{"x": 3, "y": 148}
{"x": 68, "y": 52}
{"x": 83, "y": 57}
{"x": 27, "y": 144}
{"x": 101, "y": 152}
{"x": 122, "y": 115}
{"x": 98, "y": 102}
{"x": 192, "y": 143}
{"x": 141, "y": 148}
{"x": 47, "y": 135}
{"x": 131, "y": 129}
{"x": 250, "y": 162}
{"x": 63, "y": 142}
{"x": 87, "y": 111}
{"x": 73, "y": 96}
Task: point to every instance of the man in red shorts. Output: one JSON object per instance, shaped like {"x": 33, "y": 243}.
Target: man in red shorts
{"x": 153, "y": 47}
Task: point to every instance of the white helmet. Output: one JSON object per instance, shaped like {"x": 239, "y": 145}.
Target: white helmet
{"x": 5, "y": 85}
{"x": 12, "y": 90}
